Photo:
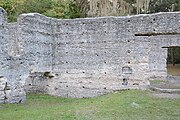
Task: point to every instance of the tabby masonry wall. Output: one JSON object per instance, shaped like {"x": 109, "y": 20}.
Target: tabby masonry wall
{"x": 91, "y": 56}
{"x": 11, "y": 67}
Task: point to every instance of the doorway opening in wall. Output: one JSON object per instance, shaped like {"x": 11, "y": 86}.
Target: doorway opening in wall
{"x": 173, "y": 61}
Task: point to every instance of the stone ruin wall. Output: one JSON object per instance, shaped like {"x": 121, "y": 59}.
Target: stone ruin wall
{"x": 11, "y": 84}
{"x": 88, "y": 57}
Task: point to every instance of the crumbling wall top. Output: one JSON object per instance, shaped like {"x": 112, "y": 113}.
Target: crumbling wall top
{"x": 3, "y": 16}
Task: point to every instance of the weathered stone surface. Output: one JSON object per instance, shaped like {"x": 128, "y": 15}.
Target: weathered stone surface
{"x": 11, "y": 67}
{"x": 87, "y": 57}
{"x": 11, "y": 92}
{"x": 3, "y": 18}
{"x": 37, "y": 82}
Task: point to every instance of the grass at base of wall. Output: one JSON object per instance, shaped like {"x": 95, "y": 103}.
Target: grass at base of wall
{"x": 125, "y": 105}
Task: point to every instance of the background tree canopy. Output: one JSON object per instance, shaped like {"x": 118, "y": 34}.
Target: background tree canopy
{"x": 86, "y": 8}
{"x": 51, "y": 8}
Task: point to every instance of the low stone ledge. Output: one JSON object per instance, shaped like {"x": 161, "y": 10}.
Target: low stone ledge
{"x": 164, "y": 90}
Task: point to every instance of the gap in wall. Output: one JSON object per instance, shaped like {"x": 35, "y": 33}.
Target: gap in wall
{"x": 173, "y": 60}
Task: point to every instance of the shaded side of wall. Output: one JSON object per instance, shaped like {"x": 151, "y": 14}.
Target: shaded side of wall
{"x": 11, "y": 84}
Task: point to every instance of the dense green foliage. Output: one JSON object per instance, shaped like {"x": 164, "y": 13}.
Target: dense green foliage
{"x": 125, "y": 105}
{"x": 165, "y": 6}
{"x": 51, "y": 8}
{"x": 73, "y": 8}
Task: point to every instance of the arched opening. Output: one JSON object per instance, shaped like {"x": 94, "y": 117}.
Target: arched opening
{"x": 173, "y": 60}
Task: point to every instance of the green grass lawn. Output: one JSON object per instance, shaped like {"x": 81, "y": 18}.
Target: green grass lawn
{"x": 125, "y": 105}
